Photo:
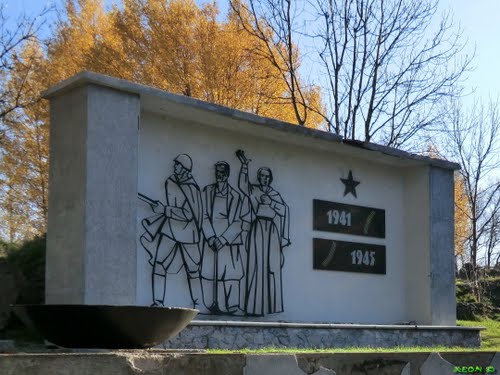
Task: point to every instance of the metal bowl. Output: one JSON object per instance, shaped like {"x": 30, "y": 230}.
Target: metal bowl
{"x": 103, "y": 326}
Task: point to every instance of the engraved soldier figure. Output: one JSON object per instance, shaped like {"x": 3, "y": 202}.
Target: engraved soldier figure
{"x": 222, "y": 269}
{"x": 172, "y": 235}
{"x": 266, "y": 217}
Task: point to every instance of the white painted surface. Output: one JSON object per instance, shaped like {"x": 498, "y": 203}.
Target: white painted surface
{"x": 301, "y": 174}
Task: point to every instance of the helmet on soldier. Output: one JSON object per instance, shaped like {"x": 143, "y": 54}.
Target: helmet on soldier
{"x": 185, "y": 161}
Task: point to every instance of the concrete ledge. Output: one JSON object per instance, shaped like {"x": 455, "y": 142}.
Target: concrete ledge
{"x": 157, "y": 362}
{"x": 240, "y": 323}
{"x": 145, "y": 92}
{"x": 236, "y": 335}
{"x": 159, "y": 97}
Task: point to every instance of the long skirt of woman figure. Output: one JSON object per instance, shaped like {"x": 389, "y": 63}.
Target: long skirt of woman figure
{"x": 263, "y": 290}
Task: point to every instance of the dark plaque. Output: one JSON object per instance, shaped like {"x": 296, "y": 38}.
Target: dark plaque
{"x": 348, "y": 218}
{"x": 348, "y": 256}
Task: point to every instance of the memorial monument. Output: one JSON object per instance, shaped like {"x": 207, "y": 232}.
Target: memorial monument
{"x": 158, "y": 199}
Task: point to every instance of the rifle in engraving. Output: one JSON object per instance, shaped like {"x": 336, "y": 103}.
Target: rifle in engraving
{"x": 147, "y": 200}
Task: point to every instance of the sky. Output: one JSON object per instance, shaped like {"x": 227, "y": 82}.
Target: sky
{"x": 478, "y": 19}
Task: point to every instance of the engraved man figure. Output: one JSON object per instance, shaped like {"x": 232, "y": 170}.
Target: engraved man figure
{"x": 222, "y": 269}
{"x": 267, "y": 218}
{"x": 172, "y": 236}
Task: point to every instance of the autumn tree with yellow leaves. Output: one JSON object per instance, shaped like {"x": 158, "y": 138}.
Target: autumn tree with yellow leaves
{"x": 462, "y": 220}
{"x": 173, "y": 45}
{"x": 24, "y": 147}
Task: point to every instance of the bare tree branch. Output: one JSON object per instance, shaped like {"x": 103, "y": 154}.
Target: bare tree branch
{"x": 387, "y": 71}
{"x": 474, "y": 139}
{"x": 12, "y": 39}
{"x": 272, "y": 23}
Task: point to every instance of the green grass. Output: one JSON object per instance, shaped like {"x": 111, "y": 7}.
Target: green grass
{"x": 490, "y": 336}
{"x": 399, "y": 349}
{"x": 487, "y": 278}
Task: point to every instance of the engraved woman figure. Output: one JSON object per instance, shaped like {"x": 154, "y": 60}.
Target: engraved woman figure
{"x": 266, "y": 218}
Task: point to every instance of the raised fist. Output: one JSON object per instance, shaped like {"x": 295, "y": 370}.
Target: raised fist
{"x": 242, "y": 158}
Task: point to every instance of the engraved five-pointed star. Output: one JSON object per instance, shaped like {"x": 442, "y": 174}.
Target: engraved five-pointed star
{"x": 350, "y": 185}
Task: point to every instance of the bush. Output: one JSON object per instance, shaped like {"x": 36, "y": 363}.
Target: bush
{"x": 25, "y": 264}
{"x": 465, "y": 293}
{"x": 29, "y": 259}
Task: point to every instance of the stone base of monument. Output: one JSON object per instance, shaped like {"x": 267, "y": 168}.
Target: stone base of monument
{"x": 235, "y": 335}
{"x": 155, "y": 362}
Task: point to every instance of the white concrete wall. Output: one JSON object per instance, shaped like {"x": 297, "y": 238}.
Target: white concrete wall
{"x": 91, "y": 257}
{"x": 416, "y": 218}
{"x": 99, "y": 161}
{"x": 442, "y": 251}
{"x": 301, "y": 174}
{"x": 64, "y": 278}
